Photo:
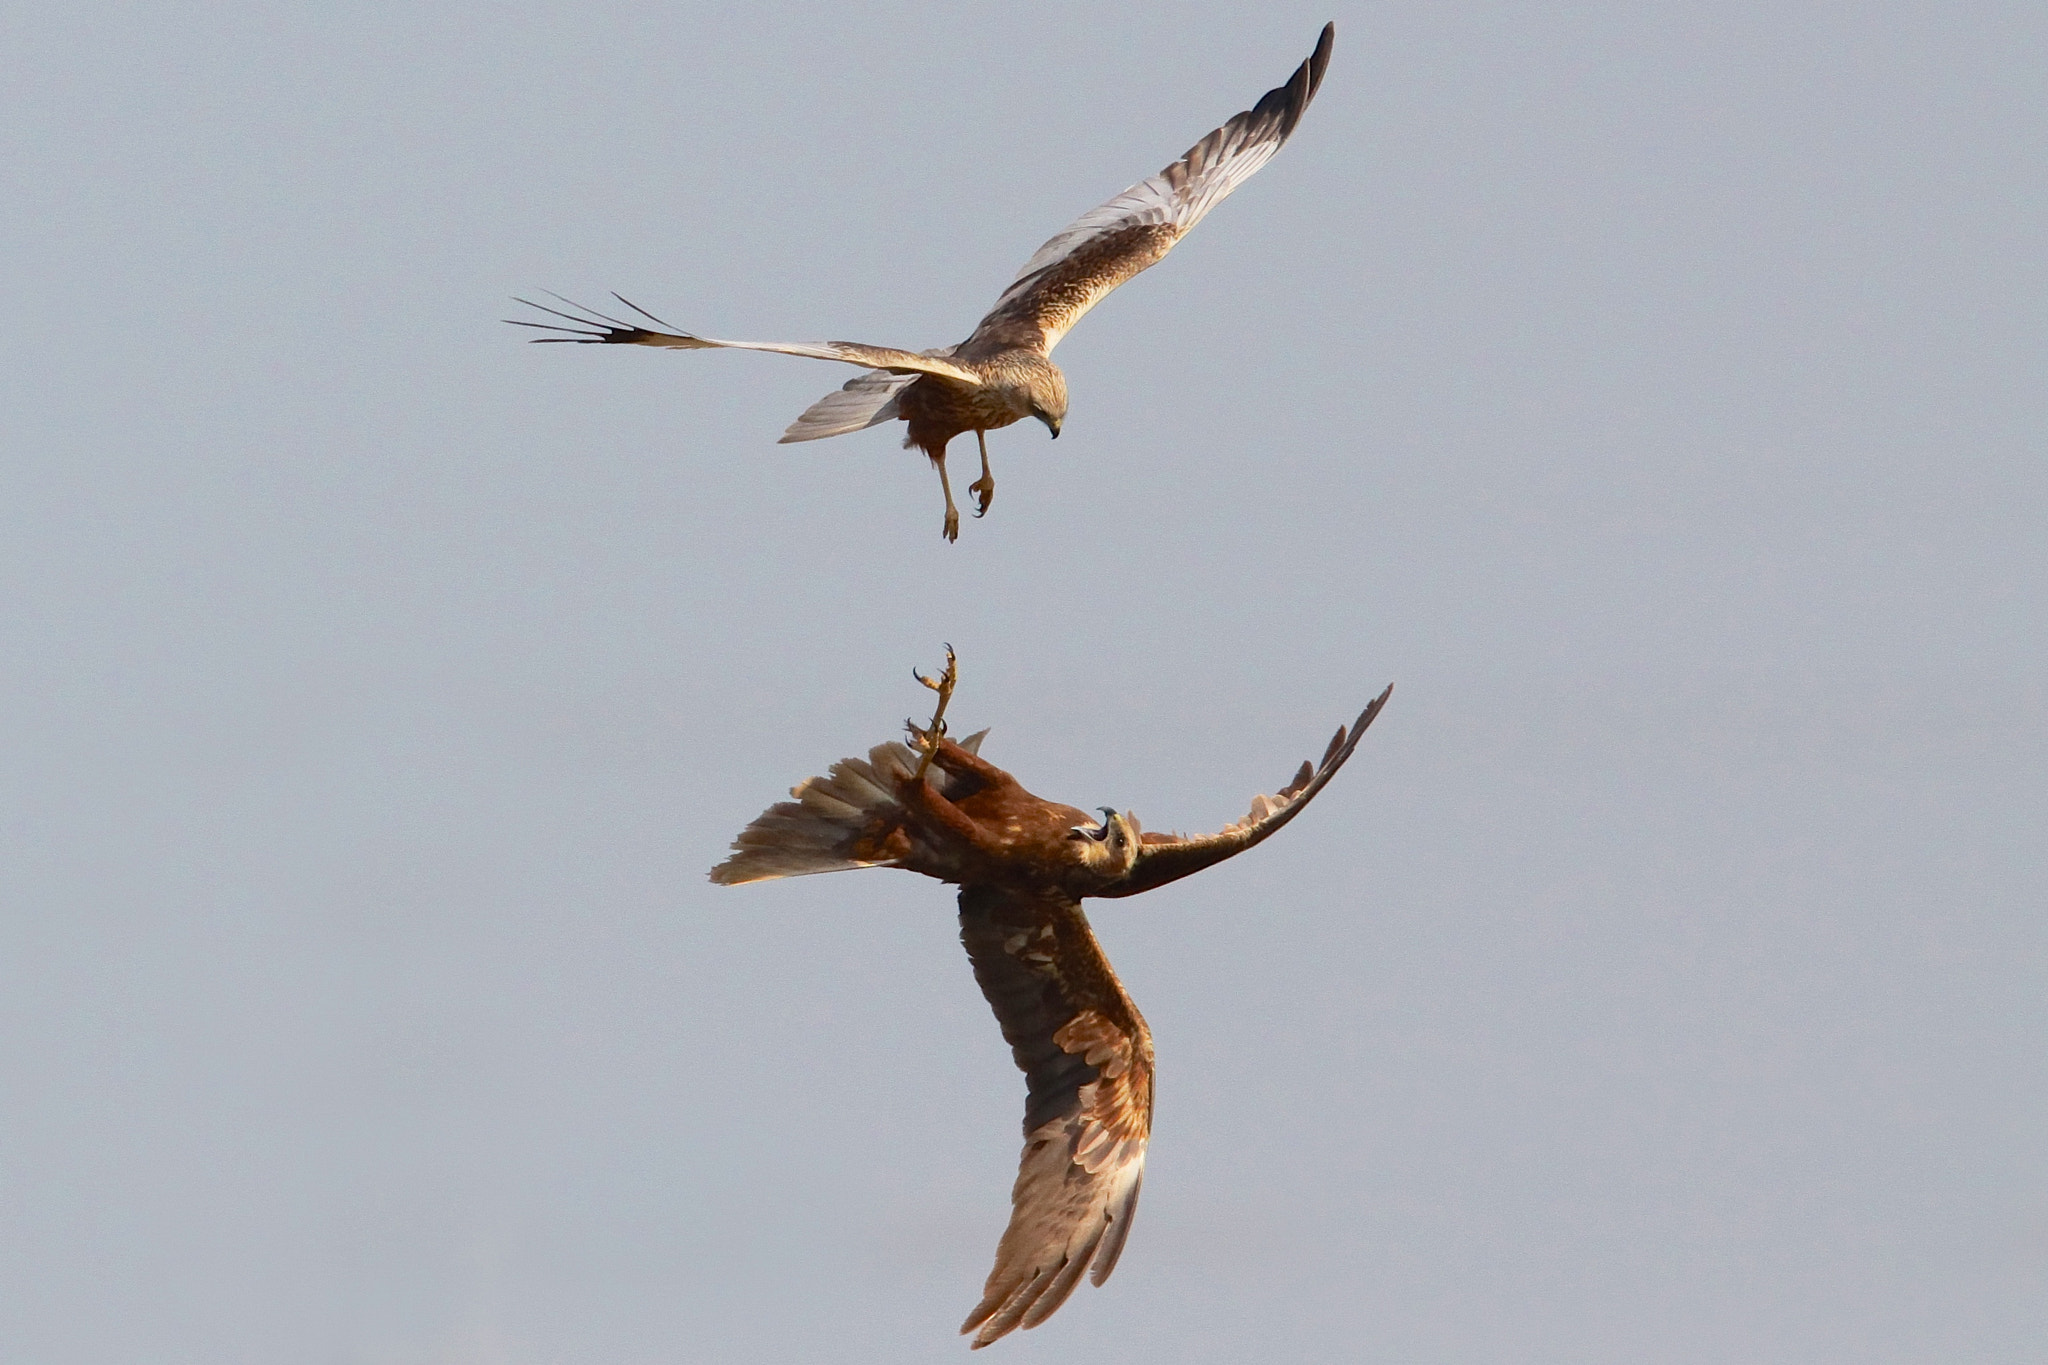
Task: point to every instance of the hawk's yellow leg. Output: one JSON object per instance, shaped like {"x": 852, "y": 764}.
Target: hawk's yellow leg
{"x": 946, "y": 486}
{"x": 929, "y": 737}
{"x": 983, "y": 488}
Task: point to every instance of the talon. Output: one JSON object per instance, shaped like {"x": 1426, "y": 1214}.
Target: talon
{"x": 983, "y": 488}
{"x": 925, "y": 741}
{"x": 929, "y": 738}
{"x": 952, "y": 531}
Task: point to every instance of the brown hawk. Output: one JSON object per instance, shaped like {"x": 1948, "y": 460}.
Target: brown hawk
{"x": 1004, "y": 373}
{"x": 1023, "y": 865}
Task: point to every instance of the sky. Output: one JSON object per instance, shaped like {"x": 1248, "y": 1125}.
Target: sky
{"x": 1652, "y": 394}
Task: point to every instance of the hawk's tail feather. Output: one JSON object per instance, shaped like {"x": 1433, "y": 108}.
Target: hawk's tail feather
{"x": 864, "y": 401}
{"x": 839, "y": 821}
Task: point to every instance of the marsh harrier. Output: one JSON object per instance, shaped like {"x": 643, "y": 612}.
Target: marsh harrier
{"x": 1023, "y": 865}
{"x": 1004, "y": 373}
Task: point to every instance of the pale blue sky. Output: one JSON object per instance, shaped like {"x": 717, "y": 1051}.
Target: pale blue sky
{"x": 1654, "y": 394}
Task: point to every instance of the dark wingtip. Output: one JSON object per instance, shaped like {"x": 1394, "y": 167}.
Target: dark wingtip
{"x": 1365, "y": 718}
{"x": 645, "y": 314}
{"x": 1344, "y": 741}
{"x": 1311, "y": 72}
{"x": 581, "y": 328}
{"x": 1287, "y": 103}
{"x": 1372, "y": 709}
{"x": 1319, "y": 60}
{"x": 586, "y": 324}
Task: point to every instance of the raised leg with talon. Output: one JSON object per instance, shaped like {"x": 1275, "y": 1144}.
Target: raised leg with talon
{"x": 929, "y": 738}
{"x": 983, "y": 488}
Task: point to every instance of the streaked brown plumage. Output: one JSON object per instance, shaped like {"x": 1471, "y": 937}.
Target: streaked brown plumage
{"x": 1004, "y": 373}
{"x": 1023, "y": 865}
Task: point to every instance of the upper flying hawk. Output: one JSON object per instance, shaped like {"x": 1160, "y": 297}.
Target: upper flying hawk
{"x": 1023, "y": 865}
{"x": 1004, "y": 372}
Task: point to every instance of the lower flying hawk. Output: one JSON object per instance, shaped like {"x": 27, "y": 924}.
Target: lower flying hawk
{"x": 1023, "y": 865}
{"x": 1004, "y": 372}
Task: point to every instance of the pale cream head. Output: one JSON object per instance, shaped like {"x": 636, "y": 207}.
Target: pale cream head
{"x": 1110, "y": 848}
{"x": 1048, "y": 390}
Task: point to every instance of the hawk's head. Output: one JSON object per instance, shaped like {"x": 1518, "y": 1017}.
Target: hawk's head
{"x": 1110, "y": 848}
{"x": 1049, "y": 398}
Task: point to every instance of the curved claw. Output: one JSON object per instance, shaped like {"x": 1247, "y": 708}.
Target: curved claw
{"x": 932, "y": 735}
{"x": 947, "y": 678}
{"x": 983, "y": 488}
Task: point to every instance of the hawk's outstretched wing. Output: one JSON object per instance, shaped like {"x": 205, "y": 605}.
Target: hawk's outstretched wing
{"x": 1087, "y": 1061}
{"x": 597, "y": 327}
{"x": 1163, "y": 858}
{"x": 1107, "y": 245}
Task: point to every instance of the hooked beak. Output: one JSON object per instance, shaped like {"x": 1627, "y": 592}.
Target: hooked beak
{"x": 1050, "y": 425}
{"x": 1098, "y": 835}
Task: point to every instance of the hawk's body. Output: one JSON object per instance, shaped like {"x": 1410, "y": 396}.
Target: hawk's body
{"x": 1012, "y": 384}
{"x": 1004, "y": 373}
{"x": 1023, "y": 865}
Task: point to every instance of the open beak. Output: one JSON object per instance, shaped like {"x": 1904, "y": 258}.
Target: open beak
{"x": 1098, "y": 835}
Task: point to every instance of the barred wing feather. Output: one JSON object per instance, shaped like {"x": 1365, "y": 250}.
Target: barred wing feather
{"x": 1110, "y": 243}
{"x": 1087, "y": 1060}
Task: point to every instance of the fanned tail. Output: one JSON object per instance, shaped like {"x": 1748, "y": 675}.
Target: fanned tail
{"x": 864, "y": 401}
{"x": 848, "y": 818}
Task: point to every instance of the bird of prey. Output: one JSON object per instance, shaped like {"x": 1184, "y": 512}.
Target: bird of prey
{"x": 1004, "y": 373}
{"x": 1023, "y": 865}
